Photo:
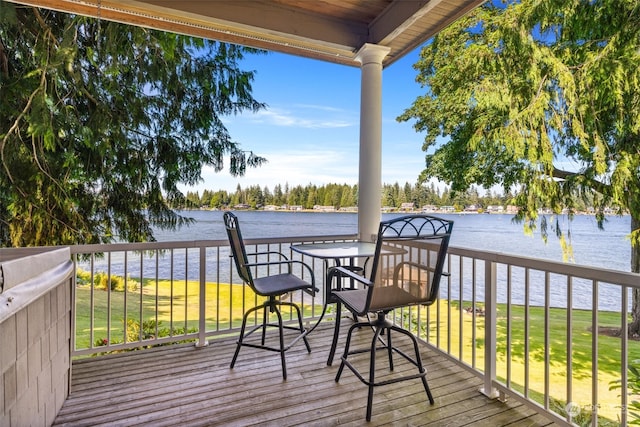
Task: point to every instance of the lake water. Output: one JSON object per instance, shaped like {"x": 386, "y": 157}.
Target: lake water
{"x": 607, "y": 248}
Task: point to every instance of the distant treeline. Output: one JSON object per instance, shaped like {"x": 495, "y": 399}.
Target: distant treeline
{"x": 340, "y": 196}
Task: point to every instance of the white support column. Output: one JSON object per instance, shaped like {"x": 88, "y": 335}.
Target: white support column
{"x": 370, "y": 57}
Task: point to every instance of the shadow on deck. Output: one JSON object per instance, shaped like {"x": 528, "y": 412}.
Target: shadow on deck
{"x": 188, "y": 386}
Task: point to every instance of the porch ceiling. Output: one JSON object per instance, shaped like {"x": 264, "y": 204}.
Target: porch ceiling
{"x": 330, "y": 30}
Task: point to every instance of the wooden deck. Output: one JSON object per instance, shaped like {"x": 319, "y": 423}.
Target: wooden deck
{"x": 187, "y": 386}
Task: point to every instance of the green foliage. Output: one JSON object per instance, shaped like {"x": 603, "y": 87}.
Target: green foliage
{"x": 581, "y": 416}
{"x": 101, "y": 122}
{"x": 538, "y": 96}
{"x": 115, "y": 283}
{"x": 151, "y": 329}
{"x": 83, "y": 277}
{"x": 104, "y": 281}
{"x": 343, "y": 196}
{"x": 633, "y": 382}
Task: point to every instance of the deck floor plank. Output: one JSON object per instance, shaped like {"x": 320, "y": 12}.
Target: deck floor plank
{"x": 188, "y": 386}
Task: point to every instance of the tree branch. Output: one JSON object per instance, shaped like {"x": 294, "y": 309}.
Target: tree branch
{"x": 598, "y": 186}
{"x": 4, "y": 60}
{"x": 15, "y": 127}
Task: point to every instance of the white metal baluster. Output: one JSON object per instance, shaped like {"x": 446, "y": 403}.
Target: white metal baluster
{"x": 172, "y": 273}
{"x": 186, "y": 288}
{"x": 474, "y": 302}
{"x": 595, "y": 355}
{"x": 141, "y": 311}
{"x": 157, "y": 300}
{"x": 569, "y": 336}
{"x": 490, "y": 273}
{"x": 202, "y": 312}
{"x": 624, "y": 360}
{"x": 527, "y": 329}
{"x": 547, "y": 338}
{"x": 92, "y": 338}
{"x": 509, "y": 319}
{"x": 109, "y": 323}
{"x": 126, "y": 272}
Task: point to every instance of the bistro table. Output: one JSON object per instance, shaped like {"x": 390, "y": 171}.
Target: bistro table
{"x": 338, "y": 251}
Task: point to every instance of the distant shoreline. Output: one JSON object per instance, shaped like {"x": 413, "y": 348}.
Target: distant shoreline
{"x": 385, "y": 212}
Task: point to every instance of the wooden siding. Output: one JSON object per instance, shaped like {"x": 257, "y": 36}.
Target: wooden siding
{"x": 188, "y": 386}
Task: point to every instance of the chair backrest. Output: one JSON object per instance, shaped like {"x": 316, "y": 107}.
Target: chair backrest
{"x": 237, "y": 247}
{"x": 420, "y": 243}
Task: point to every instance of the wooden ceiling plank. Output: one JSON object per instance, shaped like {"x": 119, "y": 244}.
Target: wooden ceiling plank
{"x": 269, "y": 17}
{"x": 397, "y": 18}
{"x": 330, "y": 30}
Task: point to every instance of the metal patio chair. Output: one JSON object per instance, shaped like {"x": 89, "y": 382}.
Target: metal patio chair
{"x": 272, "y": 285}
{"x": 409, "y": 277}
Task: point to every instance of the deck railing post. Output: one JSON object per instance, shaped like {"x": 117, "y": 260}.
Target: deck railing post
{"x": 490, "y": 328}
{"x": 202, "y": 307}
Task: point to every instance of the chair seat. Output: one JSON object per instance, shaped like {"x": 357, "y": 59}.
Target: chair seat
{"x": 279, "y": 284}
{"x": 384, "y": 298}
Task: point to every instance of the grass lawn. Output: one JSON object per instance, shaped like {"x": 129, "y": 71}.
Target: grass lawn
{"x": 175, "y": 305}
{"x": 513, "y": 362}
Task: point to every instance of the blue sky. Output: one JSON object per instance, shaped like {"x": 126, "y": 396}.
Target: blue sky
{"x": 310, "y": 131}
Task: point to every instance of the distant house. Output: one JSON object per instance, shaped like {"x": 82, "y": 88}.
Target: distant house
{"x": 429, "y": 208}
{"x": 471, "y": 208}
{"x": 295, "y": 208}
{"x": 324, "y": 208}
{"x": 447, "y": 209}
{"x": 270, "y": 208}
{"x": 407, "y": 206}
{"x": 495, "y": 209}
{"x": 241, "y": 206}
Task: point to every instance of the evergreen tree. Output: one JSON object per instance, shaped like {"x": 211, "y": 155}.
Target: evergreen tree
{"x": 101, "y": 122}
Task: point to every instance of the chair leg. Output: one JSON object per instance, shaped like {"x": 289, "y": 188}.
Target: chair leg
{"x": 346, "y": 351}
{"x": 382, "y": 327}
{"x": 422, "y": 371}
{"x": 372, "y": 370}
{"x": 241, "y": 337}
{"x": 418, "y": 362}
{"x": 336, "y": 332}
{"x": 389, "y": 348}
{"x": 281, "y": 331}
{"x": 301, "y": 326}
{"x": 265, "y": 320}
{"x": 272, "y": 306}
{"x": 235, "y": 355}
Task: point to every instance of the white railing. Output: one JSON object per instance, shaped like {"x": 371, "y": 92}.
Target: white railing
{"x": 524, "y": 322}
{"x": 518, "y": 323}
{"x": 144, "y": 294}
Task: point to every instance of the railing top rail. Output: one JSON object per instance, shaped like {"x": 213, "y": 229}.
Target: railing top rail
{"x": 623, "y": 278}
{"x": 555, "y": 267}
{"x": 116, "y": 247}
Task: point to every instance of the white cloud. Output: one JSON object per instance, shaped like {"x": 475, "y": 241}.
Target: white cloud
{"x": 286, "y": 118}
{"x": 287, "y": 167}
{"x": 321, "y": 108}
